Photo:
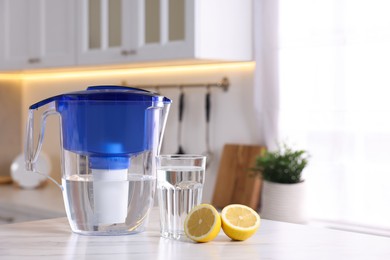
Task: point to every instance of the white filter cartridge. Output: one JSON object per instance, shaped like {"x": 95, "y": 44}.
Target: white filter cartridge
{"x": 111, "y": 193}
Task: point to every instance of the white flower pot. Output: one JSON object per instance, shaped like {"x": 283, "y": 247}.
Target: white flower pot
{"x": 284, "y": 202}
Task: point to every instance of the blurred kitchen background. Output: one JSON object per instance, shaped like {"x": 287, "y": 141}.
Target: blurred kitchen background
{"x": 315, "y": 73}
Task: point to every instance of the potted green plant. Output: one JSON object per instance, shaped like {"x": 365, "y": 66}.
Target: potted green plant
{"x": 283, "y": 194}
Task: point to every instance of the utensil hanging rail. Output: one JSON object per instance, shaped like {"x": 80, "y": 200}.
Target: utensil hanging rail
{"x": 224, "y": 84}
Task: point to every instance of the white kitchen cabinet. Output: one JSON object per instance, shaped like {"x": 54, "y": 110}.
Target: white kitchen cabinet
{"x": 124, "y": 31}
{"x": 37, "y": 34}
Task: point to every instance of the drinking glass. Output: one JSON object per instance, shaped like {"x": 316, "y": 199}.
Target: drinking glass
{"x": 180, "y": 180}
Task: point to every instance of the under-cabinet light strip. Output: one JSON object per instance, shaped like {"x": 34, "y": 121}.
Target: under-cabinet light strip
{"x": 109, "y": 72}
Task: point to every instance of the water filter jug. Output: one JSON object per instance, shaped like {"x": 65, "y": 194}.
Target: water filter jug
{"x": 110, "y": 136}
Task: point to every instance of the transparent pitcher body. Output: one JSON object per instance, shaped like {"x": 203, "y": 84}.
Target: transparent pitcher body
{"x": 108, "y": 150}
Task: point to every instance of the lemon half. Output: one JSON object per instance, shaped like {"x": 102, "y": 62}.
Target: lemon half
{"x": 203, "y": 223}
{"x": 239, "y": 222}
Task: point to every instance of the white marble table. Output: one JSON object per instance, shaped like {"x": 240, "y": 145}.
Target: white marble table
{"x": 52, "y": 239}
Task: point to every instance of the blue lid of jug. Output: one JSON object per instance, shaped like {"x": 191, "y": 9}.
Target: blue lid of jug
{"x": 106, "y": 92}
{"x": 109, "y": 123}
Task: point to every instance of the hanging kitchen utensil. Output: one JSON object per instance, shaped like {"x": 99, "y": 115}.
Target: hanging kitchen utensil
{"x": 209, "y": 154}
{"x": 179, "y": 130}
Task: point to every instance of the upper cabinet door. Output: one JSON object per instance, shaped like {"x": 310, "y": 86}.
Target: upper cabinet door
{"x": 14, "y": 34}
{"x": 166, "y": 30}
{"x": 57, "y": 43}
{"x": 101, "y": 30}
{"x": 36, "y": 34}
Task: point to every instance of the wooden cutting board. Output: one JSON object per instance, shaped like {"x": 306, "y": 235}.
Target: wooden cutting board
{"x": 235, "y": 182}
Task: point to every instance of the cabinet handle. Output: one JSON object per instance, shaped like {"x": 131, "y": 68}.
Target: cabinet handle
{"x": 34, "y": 60}
{"x": 128, "y": 52}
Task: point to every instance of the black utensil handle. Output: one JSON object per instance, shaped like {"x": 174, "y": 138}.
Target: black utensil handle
{"x": 208, "y": 106}
{"x": 181, "y": 105}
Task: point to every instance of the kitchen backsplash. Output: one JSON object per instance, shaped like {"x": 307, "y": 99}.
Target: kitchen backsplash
{"x": 11, "y": 124}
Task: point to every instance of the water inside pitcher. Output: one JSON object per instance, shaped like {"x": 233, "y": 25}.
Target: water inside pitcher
{"x": 110, "y": 137}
